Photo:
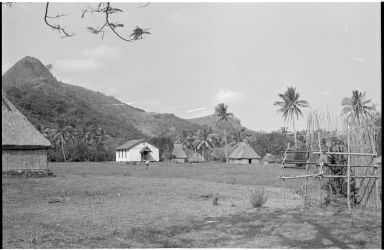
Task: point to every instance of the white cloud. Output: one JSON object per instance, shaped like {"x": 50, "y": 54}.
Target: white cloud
{"x": 194, "y": 110}
{"x": 196, "y": 114}
{"x": 76, "y": 65}
{"x": 142, "y": 101}
{"x": 102, "y": 52}
{"x": 5, "y": 66}
{"x": 228, "y": 96}
{"x": 358, "y": 59}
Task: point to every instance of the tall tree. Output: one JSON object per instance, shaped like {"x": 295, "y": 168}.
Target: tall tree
{"x": 360, "y": 112}
{"x": 290, "y": 106}
{"x": 240, "y": 135}
{"x": 221, "y": 111}
{"x": 60, "y": 136}
{"x": 356, "y": 108}
{"x": 205, "y": 139}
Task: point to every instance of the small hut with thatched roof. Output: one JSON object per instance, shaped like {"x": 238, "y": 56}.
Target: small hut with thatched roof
{"x": 23, "y": 146}
{"x": 196, "y": 158}
{"x": 268, "y": 159}
{"x": 244, "y": 154}
{"x": 178, "y": 154}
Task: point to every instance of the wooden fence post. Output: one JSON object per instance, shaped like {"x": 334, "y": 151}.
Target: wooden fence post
{"x": 320, "y": 166}
{"x": 348, "y": 170}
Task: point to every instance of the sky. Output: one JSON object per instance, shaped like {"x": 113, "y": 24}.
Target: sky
{"x": 201, "y": 54}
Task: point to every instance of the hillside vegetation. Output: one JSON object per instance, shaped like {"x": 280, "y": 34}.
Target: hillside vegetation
{"x": 52, "y": 106}
{"x": 45, "y": 101}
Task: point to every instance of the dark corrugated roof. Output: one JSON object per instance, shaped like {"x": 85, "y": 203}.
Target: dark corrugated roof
{"x": 17, "y": 131}
{"x": 178, "y": 152}
{"x": 130, "y": 144}
{"x": 243, "y": 151}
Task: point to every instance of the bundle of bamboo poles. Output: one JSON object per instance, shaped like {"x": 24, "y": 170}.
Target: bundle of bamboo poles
{"x": 362, "y": 170}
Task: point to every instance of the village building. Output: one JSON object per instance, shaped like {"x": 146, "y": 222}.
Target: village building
{"x": 268, "y": 159}
{"x": 196, "y": 158}
{"x": 136, "y": 151}
{"x": 244, "y": 154}
{"x": 178, "y": 154}
{"x": 23, "y": 146}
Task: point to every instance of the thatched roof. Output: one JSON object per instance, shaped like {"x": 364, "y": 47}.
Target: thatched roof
{"x": 269, "y": 158}
{"x": 178, "y": 152}
{"x": 243, "y": 151}
{"x": 196, "y": 158}
{"x": 130, "y": 144}
{"x": 17, "y": 131}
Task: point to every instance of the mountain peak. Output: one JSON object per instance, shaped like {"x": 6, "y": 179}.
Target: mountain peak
{"x": 25, "y": 69}
{"x": 34, "y": 66}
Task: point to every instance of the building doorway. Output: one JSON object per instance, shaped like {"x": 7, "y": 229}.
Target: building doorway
{"x": 146, "y": 154}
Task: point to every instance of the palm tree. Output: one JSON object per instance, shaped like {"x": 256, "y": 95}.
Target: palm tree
{"x": 357, "y": 108}
{"x": 360, "y": 112}
{"x": 60, "y": 136}
{"x": 240, "y": 135}
{"x": 290, "y": 106}
{"x": 85, "y": 134}
{"x": 205, "y": 139}
{"x": 221, "y": 110}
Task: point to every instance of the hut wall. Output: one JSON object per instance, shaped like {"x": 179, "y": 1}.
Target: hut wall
{"x": 178, "y": 160}
{"x": 256, "y": 161}
{"x": 244, "y": 161}
{"x": 24, "y": 159}
{"x": 239, "y": 161}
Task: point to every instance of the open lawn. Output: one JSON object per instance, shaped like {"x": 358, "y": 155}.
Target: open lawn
{"x": 111, "y": 205}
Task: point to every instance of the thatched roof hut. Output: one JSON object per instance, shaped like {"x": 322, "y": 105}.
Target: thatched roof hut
{"x": 23, "y": 146}
{"x": 196, "y": 158}
{"x": 245, "y": 154}
{"x": 178, "y": 153}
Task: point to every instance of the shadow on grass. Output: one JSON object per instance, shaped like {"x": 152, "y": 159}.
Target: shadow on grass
{"x": 265, "y": 228}
{"x": 256, "y": 228}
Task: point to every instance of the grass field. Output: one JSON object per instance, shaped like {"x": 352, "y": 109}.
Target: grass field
{"x": 110, "y": 205}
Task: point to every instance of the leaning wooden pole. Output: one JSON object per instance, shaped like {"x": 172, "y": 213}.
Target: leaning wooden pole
{"x": 320, "y": 167}
{"x": 348, "y": 170}
{"x": 306, "y": 186}
{"x": 283, "y": 175}
{"x": 375, "y": 171}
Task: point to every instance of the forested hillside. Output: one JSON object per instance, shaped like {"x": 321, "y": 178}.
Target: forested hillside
{"x": 48, "y": 102}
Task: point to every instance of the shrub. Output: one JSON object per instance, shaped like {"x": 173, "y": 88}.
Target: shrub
{"x": 215, "y": 200}
{"x": 257, "y": 198}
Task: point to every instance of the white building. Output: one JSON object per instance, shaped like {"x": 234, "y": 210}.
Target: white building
{"x": 137, "y": 150}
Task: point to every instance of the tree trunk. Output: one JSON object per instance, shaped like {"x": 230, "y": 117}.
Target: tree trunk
{"x": 226, "y": 148}
{"x": 203, "y": 151}
{"x": 294, "y": 131}
{"x": 62, "y": 149}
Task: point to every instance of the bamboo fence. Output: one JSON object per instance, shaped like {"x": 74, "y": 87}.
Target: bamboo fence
{"x": 322, "y": 162}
